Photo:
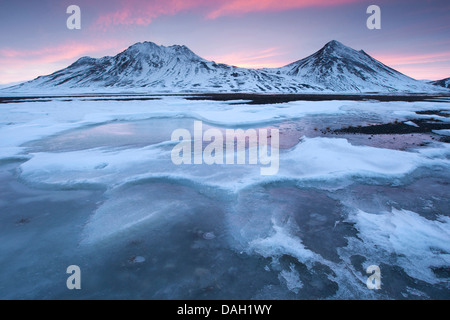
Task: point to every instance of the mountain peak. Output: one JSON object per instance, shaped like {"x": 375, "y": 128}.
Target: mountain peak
{"x": 334, "y": 44}
{"x": 152, "y": 48}
{"x": 335, "y": 47}
{"x": 182, "y": 49}
{"x": 143, "y": 46}
{"x": 83, "y": 61}
{"x": 337, "y": 67}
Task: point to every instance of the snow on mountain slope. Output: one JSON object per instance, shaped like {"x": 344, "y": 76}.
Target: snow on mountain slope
{"x": 147, "y": 67}
{"x": 337, "y": 67}
{"x": 442, "y": 83}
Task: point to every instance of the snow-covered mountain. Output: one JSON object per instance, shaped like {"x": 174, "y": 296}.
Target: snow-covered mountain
{"x": 147, "y": 67}
{"x": 442, "y": 83}
{"x": 337, "y": 67}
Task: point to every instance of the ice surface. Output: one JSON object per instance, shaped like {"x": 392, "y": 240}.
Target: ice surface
{"x": 29, "y": 121}
{"x": 418, "y": 243}
{"x": 442, "y": 132}
{"x": 292, "y": 279}
{"x": 281, "y": 243}
{"x": 135, "y": 205}
{"x": 97, "y": 176}
{"x": 410, "y": 123}
{"x": 311, "y": 160}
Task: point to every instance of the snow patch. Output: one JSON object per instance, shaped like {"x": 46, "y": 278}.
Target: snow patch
{"x": 418, "y": 243}
{"x": 412, "y": 124}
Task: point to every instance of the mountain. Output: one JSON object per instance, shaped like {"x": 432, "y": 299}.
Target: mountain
{"x": 337, "y": 67}
{"x": 147, "y": 67}
{"x": 441, "y": 83}
{"x": 6, "y": 85}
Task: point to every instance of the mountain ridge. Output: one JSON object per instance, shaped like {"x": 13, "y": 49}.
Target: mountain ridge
{"x": 148, "y": 67}
{"x": 445, "y": 83}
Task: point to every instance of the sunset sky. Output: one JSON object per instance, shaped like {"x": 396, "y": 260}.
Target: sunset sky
{"x": 34, "y": 39}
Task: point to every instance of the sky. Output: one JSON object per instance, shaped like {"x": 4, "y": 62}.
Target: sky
{"x": 34, "y": 40}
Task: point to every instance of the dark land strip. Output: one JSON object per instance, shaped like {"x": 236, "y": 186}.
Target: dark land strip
{"x": 249, "y": 97}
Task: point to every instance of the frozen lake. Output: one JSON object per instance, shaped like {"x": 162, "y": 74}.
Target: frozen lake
{"x": 89, "y": 181}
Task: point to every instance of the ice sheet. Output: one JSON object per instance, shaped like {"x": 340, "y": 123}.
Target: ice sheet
{"x": 28, "y": 121}
{"x": 302, "y": 235}
{"x": 313, "y": 159}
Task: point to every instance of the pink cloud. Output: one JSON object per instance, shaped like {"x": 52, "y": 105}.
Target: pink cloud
{"x": 425, "y": 72}
{"x": 398, "y": 60}
{"x": 19, "y": 65}
{"x": 268, "y": 58}
{"x": 52, "y": 54}
{"x": 431, "y": 66}
{"x": 234, "y": 7}
{"x": 138, "y": 12}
